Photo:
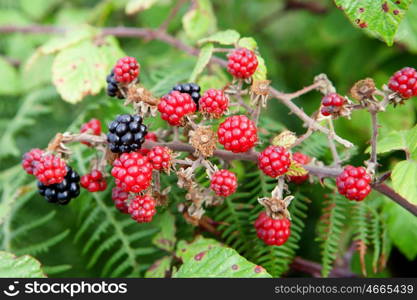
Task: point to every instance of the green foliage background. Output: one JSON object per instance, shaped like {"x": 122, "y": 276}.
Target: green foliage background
{"x": 89, "y": 237}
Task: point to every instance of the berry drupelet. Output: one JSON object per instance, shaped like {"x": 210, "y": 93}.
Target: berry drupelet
{"x": 63, "y": 192}
{"x": 274, "y": 161}
{"x": 303, "y": 160}
{"x": 142, "y": 208}
{"x": 50, "y": 169}
{"x": 94, "y": 181}
{"x": 126, "y": 133}
{"x": 30, "y": 159}
{"x": 214, "y": 103}
{"x": 404, "y": 82}
{"x": 175, "y": 106}
{"x": 150, "y": 136}
{"x": 126, "y": 70}
{"x": 160, "y": 158}
{"x": 192, "y": 89}
{"x": 331, "y": 104}
{"x": 223, "y": 183}
{"x": 120, "y": 198}
{"x": 237, "y": 134}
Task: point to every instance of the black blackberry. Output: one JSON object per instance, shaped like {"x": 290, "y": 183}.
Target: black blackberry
{"x": 192, "y": 89}
{"x": 62, "y": 193}
{"x": 112, "y": 88}
{"x": 127, "y": 134}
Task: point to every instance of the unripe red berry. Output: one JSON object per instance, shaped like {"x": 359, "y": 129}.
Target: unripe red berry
{"x": 50, "y": 169}
{"x": 94, "y": 181}
{"x": 303, "y": 160}
{"x": 331, "y": 104}
{"x": 133, "y": 172}
{"x": 120, "y": 197}
{"x": 354, "y": 183}
{"x": 404, "y": 82}
{"x": 30, "y": 159}
{"x": 214, "y": 103}
{"x": 175, "y": 106}
{"x": 237, "y": 134}
{"x": 93, "y": 127}
{"x": 223, "y": 183}
{"x": 274, "y": 161}
{"x": 160, "y": 158}
{"x": 272, "y": 231}
{"x": 126, "y": 69}
{"x": 242, "y": 63}
{"x": 142, "y": 208}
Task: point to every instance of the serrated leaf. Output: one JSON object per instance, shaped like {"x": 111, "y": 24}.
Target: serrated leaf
{"x": 81, "y": 70}
{"x": 186, "y": 251}
{"x": 403, "y": 178}
{"x": 401, "y": 227}
{"x": 202, "y": 61}
{"x": 9, "y": 79}
{"x": 226, "y": 37}
{"x": 19, "y": 267}
{"x": 159, "y": 268}
{"x": 398, "y": 140}
{"x": 378, "y": 16}
{"x": 220, "y": 262}
{"x": 200, "y": 20}
{"x": 248, "y": 42}
{"x": 165, "y": 239}
{"x": 135, "y": 6}
{"x": 296, "y": 169}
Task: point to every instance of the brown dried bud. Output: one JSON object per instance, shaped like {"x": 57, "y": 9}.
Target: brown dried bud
{"x": 259, "y": 92}
{"x": 276, "y": 208}
{"x": 204, "y": 140}
{"x": 140, "y": 94}
{"x": 363, "y": 89}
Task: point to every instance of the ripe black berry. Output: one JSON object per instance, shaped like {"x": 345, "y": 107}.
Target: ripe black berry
{"x": 62, "y": 193}
{"x": 192, "y": 89}
{"x": 127, "y": 134}
{"x": 112, "y": 88}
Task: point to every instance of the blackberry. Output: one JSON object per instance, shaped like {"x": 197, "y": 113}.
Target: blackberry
{"x": 112, "y": 88}
{"x": 62, "y": 193}
{"x": 191, "y": 89}
{"x": 127, "y": 134}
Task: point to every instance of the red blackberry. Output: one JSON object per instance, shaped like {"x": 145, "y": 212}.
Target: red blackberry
{"x": 112, "y": 88}
{"x": 274, "y": 161}
{"x": 175, "y": 106}
{"x": 126, "y": 133}
{"x": 93, "y": 182}
{"x": 214, "y": 103}
{"x": 223, "y": 183}
{"x": 142, "y": 208}
{"x": 50, "y": 169}
{"x": 63, "y": 192}
{"x": 192, "y": 89}
{"x": 303, "y": 160}
{"x": 133, "y": 172}
{"x": 404, "y": 82}
{"x": 126, "y": 69}
{"x": 160, "y": 158}
{"x": 272, "y": 231}
{"x": 30, "y": 159}
{"x": 93, "y": 127}
{"x": 242, "y": 63}
{"x": 237, "y": 134}
{"x": 120, "y": 197}
{"x": 150, "y": 136}
{"x": 331, "y": 104}
{"x": 354, "y": 183}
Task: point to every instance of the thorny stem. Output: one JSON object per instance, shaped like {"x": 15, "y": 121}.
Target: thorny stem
{"x": 373, "y": 161}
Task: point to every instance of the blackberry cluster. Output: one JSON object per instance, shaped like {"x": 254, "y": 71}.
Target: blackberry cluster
{"x": 127, "y": 133}
{"x": 112, "y": 88}
{"x": 61, "y": 193}
{"x": 192, "y": 89}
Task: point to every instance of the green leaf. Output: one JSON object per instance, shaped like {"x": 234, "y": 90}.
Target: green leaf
{"x": 19, "y": 267}
{"x": 404, "y": 180}
{"x": 398, "y": 140}
{"x": 381, "y": 17}
{"x": 165, "y": 239}
{"x": 9, "y": 79}
{"x": 186, "y": 251}
{"x": 220, "y": 262}
{"x": 226, "y": 37}
{"x": 407, "y": 32}
{"x": 248, "y": 42}
{"x": 200, "y": 20}
{"x": 67, "y": 39}
{"x": 202, "y": 61}
{"x": 401, "y": 227}
{"x": 159, "y": 268}
{"x": 135, "y": 6}
{"x": 81, "y": 70}
{"x": 37, "y": 9}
